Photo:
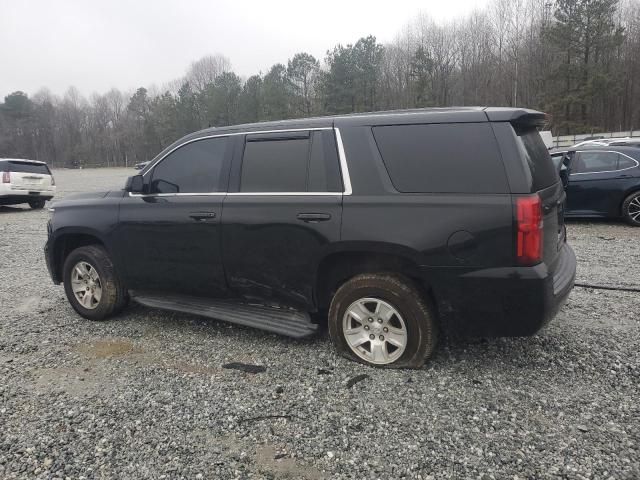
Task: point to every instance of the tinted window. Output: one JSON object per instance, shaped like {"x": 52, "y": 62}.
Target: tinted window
{"x": 442, "y": 158}
{"x": 278, "y": 165}
{"x": 24, "y": 167}
{"x": 535, "y": 153}
{"x": 591, "y": 162}
{"x": 625, "y": 162}
{"x": 192, "y": 168}
{"x": 324, "y": 166}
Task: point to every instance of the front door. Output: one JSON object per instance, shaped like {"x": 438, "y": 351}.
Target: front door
{"x": 283, "y": 216}
{"x": 170, "y": 236}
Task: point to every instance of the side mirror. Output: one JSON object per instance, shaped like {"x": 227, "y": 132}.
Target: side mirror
{"x": 135, "y": 184}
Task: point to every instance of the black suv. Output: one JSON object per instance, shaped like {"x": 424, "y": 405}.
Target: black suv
{"x": 393, "y": 224}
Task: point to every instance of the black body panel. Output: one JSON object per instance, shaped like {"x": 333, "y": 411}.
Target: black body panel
{"x": 171, "y": 243}
{"x": 272, "y": 244}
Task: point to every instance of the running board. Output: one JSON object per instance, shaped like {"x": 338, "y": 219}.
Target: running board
{"x": 272, "y": 318}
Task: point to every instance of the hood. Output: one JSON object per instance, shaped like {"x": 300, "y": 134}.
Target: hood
{"x": 78, "y": 198}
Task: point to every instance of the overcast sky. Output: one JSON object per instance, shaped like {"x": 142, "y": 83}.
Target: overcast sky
{"x": 96, "y": 45}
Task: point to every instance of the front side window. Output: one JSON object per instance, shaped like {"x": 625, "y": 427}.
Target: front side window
{"x": 593, "y": 162}
{"x": 192, "y": 168}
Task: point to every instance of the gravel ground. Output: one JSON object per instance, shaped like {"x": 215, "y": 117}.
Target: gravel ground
{"x": 145, "y": 395}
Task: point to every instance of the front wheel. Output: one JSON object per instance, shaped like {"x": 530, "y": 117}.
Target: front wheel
{"x": 631, "y": 209}
{"x": 37, "y": 204}
{"x": 91, "y": 283}
{"x": 382, "y": 320}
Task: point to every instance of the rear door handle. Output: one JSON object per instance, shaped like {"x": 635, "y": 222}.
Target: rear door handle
{"x": 314, "y": 217}
{"x": 199, "y": 216}
{"x": 624, "y": 176}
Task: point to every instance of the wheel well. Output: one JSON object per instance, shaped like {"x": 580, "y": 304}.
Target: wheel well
{"x": 67, "y": 244}
{"x": 337, "y": 268}
{"x": 627, "y": 194}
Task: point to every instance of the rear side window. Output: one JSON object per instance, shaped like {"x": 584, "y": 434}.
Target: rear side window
{"x": 535, "y": 153}
{"x": 290, "y": 162}
{"x": 24, "y": 167}
{"x": 442, "y": 158}
{"x": 593, "y": 162}
{"x": 192, "y": 168}
{"x": 626, "y": 162}
{"x": 278, "y": 165}
{"x": 324, "y": 166}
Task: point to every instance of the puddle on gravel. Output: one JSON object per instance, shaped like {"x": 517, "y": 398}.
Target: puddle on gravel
{"x": 115, "y": 347}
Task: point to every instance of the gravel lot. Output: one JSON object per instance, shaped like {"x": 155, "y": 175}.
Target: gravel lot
{"x": 145, "y": 395}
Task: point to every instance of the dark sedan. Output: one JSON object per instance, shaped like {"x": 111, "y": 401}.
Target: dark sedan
{"x": 602, "y": 181}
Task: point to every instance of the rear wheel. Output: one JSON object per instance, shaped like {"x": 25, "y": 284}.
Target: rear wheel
{"x": 631, "y": 209}
{"x": 37, "y": 204}
{"x": 91, "y": 283}
{"x": 382, "y": 320}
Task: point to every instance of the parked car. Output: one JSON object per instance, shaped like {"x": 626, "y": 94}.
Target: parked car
{"x": 602, "y": 181}
{"x": 140, "y": 165}
{"x": 394, "y": 224}
{"x": 630, "y": 141}
{"x": 25, "y": 181}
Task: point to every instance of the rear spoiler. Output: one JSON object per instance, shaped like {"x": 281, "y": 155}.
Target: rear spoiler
{"x": 521, "y": 117}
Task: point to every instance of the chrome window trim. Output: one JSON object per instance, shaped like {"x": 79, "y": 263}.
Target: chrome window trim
{"x": 203, "y": 194}
{"x": 346, "y": 178}
{"x": 230, "y": 134}
{"x": 607, "y": 171}
{"x": 275, "y": 194}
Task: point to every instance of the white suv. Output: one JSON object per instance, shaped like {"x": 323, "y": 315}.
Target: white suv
{"x": 25, "y": 181}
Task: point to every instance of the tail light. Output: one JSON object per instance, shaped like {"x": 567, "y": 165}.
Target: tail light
{"x": 529, "y": 230}
{"x": 6, "y": 177}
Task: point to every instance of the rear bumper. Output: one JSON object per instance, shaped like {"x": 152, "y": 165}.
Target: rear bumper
{"x": 12, "y": 197}
{"x": 511, "y": 301}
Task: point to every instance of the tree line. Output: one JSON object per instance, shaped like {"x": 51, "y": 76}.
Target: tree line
{"x": 578, "y": 60}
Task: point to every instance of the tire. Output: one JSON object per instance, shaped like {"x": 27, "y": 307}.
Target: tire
{"x": 631, "y": 209}
{"x": 413, "y": 316}
{"x": 37, "y": 204}
{"x": 94, "y": 260}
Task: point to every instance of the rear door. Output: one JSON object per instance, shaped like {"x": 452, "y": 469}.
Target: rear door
{"x": 598, "y": 181}
{"x": 169, "y": 238}
{"x": 283, "y": 213}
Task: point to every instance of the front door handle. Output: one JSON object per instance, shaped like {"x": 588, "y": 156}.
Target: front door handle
{"x": 314, "y": 217}
{"x": 199, "y": 216}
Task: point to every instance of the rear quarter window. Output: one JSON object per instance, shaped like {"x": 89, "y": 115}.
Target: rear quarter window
{"x": 442, "y": 158}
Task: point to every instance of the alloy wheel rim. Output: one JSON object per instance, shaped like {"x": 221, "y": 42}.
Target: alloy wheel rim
{"x": 634, "y": 209}
{"x": 86, "y": 285}
{"x": 375, "y": 331}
